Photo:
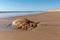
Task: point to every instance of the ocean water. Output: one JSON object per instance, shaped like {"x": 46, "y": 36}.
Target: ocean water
{"x": 6, "y": 15}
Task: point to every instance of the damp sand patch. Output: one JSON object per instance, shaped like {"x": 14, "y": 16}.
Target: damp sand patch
{"x": 5, "y": 25}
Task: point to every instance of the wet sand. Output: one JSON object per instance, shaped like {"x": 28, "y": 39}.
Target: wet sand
{"x": 48, "y": 28}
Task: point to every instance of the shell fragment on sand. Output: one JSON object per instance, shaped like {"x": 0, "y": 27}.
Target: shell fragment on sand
{"x": 24, "y": 24}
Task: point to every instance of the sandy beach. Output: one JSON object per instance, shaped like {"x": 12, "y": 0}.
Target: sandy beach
{"x": 47, "y": 29}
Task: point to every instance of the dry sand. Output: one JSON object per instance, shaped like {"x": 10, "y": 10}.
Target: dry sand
{"x": 48, "y": 28}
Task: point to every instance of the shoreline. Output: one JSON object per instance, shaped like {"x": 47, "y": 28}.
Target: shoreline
{"x": 8, "y": 15}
